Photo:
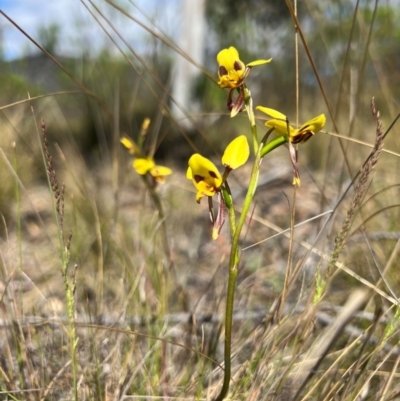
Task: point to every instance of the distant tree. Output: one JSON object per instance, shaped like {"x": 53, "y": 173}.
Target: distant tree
{"x": 49, "y": 37}
{"x": 232, "y": 20}
{"x": 226, "y": 12}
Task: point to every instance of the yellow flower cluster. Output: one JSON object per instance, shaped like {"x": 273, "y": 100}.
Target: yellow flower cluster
{"x": 145, "y": 164}
{"x": 205, "y": 176}
{"x": 280, "y": 124}
{"x": 282, "y": 127}
{"x": 208, "y": 181}
{"x": 232, "y": 73}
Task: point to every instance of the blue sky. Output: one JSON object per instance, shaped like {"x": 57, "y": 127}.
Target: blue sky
{"x": 78, "y": 28}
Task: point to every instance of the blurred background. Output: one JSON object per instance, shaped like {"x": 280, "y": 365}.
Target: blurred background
{"x": 116, "y": 63}
{"x": 94, "y": 70}
{"x": 137, "y": 47}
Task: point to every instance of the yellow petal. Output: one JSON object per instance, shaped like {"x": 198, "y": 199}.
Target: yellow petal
{"x": 258, "y": 62}
{"x": 236, "y": 153}
{"x": 296, "y": 181}
{"x": 281, "y": 127}
{"x": 159, "y": 171}
{"x": 227, "y": 59}
{"x": 143, "y": 166}
{"x": 225, "y": 82}
{"x": 215, "y": 233}
{"x": 308, "y": 129}
{"x": 145, "y": 126}
{"x": 204, "y": 167}
{"x": 130, "y": 145}
{"x": 315, "y": 124}
{"x": 200, "y": 195}
{"x": 272, "y": 113}
{"x": 203, "y": 189}
{"x": 189, "y": 173}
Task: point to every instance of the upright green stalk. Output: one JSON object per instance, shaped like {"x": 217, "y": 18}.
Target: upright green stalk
{"x": 234, "y": 255}
{"x": 232, "y": 73}
{"x": 157, "y": 203}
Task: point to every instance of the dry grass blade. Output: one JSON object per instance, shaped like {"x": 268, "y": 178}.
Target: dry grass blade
{"x": 315, "y": 250}
{"x": 360, "y": 190}
{"x": 30, "y": 99}
{"x": 369, "y": 145}
{"x": 385, "y": 389}
{"x": 327, "y": 339}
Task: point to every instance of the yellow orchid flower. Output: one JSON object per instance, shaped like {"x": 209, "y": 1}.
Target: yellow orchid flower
{"x": 208, "y": 181}
{"x": 282, "y": 127}
{"x": 144, "y": 165}
{"x": 309, "y": 128}
{"x": 147, "y": 165}
{"x": 232, "y": 71}
{"x": 159, "y": 173}
{"x": 204, "y": 174}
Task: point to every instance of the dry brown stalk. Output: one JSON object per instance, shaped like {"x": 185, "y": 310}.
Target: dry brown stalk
{"x": 360, "y": 190}
{"x": 58, "y": 193}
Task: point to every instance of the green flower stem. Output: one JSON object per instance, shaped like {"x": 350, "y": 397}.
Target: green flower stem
{"x": 261, "y": 151}
{"x": 248, "y": 101}
{"x": 233, "y": 272}
{"x": 270, "y": 146}
{"x": 157, "y": 203}
{"x": 228, "y": 328}
{"x": 154, "y": 196}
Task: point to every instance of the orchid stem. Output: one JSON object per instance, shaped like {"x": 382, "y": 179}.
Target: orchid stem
{"x": 273, "y": 144}
{"x": 157, "y": 203}
{"x": 234, "y": 255}
{"x": 260, "y": 150}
